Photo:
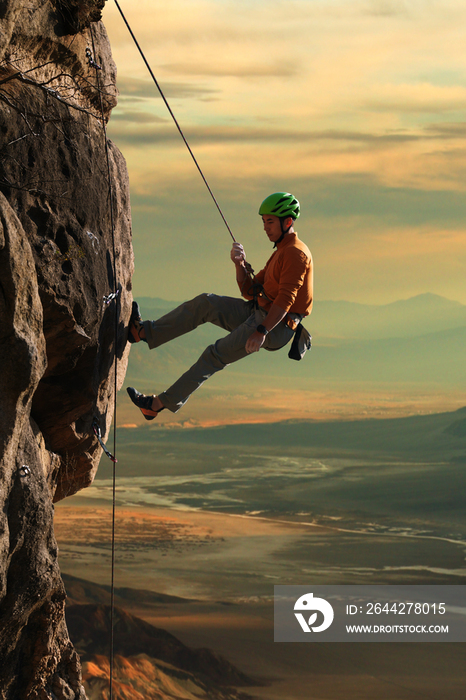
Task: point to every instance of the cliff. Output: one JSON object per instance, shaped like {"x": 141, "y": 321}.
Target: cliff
{"x": 57, "y": 336}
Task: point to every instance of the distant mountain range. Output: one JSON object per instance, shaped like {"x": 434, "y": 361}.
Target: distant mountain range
{"x": 419, "y": 315}
{"x": 82, "y": 592}
{"x": 150, "y": 663}
{"x": 439, "y": 437}
{"x": 430, "y": 358}
{"x": 422, "y": 340}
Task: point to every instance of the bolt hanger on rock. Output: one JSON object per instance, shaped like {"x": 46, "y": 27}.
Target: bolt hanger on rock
{"x": 91, "y": 61}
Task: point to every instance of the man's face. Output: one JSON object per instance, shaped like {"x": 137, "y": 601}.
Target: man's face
{"x": 272, "y": 227}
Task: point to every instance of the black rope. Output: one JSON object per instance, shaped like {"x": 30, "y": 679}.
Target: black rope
{"x": 174, "y": 119}
{"x": 92, "y": 63}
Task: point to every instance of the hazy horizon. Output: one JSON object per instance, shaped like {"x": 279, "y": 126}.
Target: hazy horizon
{"x": 363, "y": 120}
{"x": 336, "y": 301}
{"x": 358, "y": 110}
{"x": 380, "y": 361}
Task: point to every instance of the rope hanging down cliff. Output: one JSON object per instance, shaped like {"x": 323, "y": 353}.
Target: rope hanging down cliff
{"x": 107, "y": 300}
{"x": 95, "y": 426}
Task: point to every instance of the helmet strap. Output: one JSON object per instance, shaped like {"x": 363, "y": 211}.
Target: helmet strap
{"x": 284, "y": 230}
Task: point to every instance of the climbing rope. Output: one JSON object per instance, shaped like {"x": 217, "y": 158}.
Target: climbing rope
{"x": 107, "y": 300}
{"x": 174, "y": 119}
{"x": 113, "y": 296}
{"x": 247, "y": 266}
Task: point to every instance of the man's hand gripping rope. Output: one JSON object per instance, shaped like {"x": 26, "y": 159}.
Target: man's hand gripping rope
{"x": 245, "y": 273}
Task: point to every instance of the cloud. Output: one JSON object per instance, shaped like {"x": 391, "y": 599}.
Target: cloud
{"x": 385, "y": 8}
{"x": 284, "y": 69}
{"x": 349, "y": 196}
{"x": 136, "y": 117}
{"x": 447, "y": 130}
{"x": 335, "y": 199}
{"x": 421, "y": 97}
{"x": 131, "y": 88}
{"x": 430, "y": 159}
{"x": 240, "y": 134}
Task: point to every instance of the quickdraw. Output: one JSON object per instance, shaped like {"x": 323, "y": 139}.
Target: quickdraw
{"x": 98, "y": 434}
{"x": 111, "y": 297}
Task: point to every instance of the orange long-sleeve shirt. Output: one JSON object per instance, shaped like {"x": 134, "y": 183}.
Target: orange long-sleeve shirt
{"x": 287, "y": 277}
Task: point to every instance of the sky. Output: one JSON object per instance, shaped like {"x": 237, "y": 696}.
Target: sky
{"x": 355, "y": 106}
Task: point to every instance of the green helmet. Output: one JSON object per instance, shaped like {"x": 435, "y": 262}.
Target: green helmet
{"x": 280, "y": 204}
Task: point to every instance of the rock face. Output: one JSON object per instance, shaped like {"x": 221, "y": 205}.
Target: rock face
{"x": 60, "y": 256}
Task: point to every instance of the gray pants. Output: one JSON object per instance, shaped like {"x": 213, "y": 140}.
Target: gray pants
{"x": 234, "y": 315}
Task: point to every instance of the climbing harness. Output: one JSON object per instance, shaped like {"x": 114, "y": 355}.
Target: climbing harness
{"x": 98, "y": 434}
{"x": 302, "y": 339}
{"x": 256, "y": 290}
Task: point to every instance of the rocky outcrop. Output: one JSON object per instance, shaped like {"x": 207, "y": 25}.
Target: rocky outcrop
{"x": 142, "y": 677}
{"x": 149, "y": 662}
{"x": 59, "y": 257}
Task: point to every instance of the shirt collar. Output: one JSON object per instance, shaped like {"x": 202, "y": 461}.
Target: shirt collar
{"x": 287, "y": 239}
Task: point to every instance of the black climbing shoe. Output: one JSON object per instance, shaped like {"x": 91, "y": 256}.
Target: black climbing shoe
{"x": 144, "y": 403}
{"x": 135, "y": 325}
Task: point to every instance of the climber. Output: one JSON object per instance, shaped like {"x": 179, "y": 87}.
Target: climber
{"x": 277, "y": 298}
